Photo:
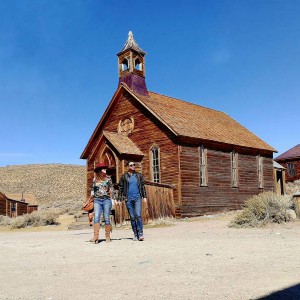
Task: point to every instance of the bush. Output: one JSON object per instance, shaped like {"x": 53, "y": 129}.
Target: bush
{"x": 292, "y": 187}
{"x": 36, "y": 218}
{"x": 4, "y": 221}
{"x": 262, "y": 209}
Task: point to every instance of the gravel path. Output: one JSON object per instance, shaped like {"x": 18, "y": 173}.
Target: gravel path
{"x": 191, "y": 260}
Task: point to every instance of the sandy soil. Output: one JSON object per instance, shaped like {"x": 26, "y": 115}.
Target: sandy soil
{"x": 203, "y": 259}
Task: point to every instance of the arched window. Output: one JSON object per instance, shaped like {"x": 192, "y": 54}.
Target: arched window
{"x": 138, "y": 65}
{"x": 155, "y": 155}
{"x": 125, "y": 64}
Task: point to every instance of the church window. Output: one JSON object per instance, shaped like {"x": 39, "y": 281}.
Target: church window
{"x": 260, "y": 172}
{"x": 155, "y": 157}
{"x": 234, "y": 169}
{"x": 203, "y": 166}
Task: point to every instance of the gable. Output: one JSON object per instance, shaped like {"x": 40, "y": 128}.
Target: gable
{"x": 290, "y": 154}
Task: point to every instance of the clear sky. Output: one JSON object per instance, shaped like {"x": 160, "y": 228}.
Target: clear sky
{"x": 58, "y": 67}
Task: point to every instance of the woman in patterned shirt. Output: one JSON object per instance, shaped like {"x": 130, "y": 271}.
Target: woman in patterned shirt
{"x": 102, "y": 191}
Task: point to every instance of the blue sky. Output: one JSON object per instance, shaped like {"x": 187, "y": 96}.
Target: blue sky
{"x": 58, "y": 67}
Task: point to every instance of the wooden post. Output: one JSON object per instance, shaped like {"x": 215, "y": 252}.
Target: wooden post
{"x": 296, "y": 198}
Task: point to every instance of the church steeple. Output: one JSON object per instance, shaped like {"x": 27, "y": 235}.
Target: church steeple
{"x": 131, "y": 63}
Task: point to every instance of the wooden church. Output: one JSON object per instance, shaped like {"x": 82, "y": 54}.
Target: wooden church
{"x": 211, "y": 162}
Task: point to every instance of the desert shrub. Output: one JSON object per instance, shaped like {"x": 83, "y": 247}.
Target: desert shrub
{"x": 292, "y": 187}
{"x": 262, "y": 209}
{"x": 4, "y": 221}
{"x": 36, "y": 218}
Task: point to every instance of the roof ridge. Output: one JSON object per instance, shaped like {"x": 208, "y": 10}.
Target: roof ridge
{"x": 185, "y": 101}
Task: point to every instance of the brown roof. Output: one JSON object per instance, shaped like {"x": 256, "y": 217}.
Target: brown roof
{"x": 28, "y": 197}
{"x": 122, "y": 143}
{"x": 185, "y": 119}
{"x": 290, "y": 154}
{"x": 191, "y": 120}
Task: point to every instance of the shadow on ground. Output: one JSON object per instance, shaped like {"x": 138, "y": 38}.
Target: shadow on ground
{"x": 291, "y": 293}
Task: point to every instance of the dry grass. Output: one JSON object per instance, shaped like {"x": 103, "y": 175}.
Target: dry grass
{"x": 59, "y": 189}
{"x": 161, "y": 222}
{"x": 262, "y": 209}
{"x": 49, "y": 183}
{"x": 293, "y": 187}
{"x": 35, "y": 219}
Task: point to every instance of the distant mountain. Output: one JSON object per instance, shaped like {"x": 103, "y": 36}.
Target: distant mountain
{"x": 48, "y": 183}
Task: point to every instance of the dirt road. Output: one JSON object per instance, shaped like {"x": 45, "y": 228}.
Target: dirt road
{"x": 191, "y": 260}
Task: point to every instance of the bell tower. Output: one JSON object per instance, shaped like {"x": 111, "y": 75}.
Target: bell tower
{"x": 131, "y": 65}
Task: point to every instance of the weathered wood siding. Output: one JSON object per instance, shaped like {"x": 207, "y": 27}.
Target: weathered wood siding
{"x": 147, "y": 132}
{"x": 296, "y": 163}
{"x": 2, "y": 206}
{"x": 219, "y": 195}
{"x": 21, "y": 208}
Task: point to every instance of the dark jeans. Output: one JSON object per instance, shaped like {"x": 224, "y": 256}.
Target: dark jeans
{"x": 102, "y": 205}
{"x": 134, "y": 207}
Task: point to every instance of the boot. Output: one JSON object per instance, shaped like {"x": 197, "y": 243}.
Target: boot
{"x": 108, "y": 230}
{"x": 95, "y": 239}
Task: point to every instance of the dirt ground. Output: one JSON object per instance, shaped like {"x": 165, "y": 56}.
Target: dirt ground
{"x": 200, "y": 259}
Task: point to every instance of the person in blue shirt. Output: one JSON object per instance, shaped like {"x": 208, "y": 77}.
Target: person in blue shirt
{"x": 132, "y": 190}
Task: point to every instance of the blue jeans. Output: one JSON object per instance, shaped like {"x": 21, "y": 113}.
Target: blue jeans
{"x": 102, "y": 205}
{"x": 134, "y": 207}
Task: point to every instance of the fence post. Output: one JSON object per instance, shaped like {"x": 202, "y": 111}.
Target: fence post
{"x": 296, "y": 198}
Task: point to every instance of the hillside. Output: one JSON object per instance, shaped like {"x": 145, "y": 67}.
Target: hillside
{"x": 50, "y": 183}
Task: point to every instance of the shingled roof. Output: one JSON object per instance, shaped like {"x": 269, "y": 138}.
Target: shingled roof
{"x": 191, "y": 120}
{"x": 290, "y": 154}
{"x": 187, "y": 120}
{"x": 122, "y": 143}
{"x": 132, "y": 44}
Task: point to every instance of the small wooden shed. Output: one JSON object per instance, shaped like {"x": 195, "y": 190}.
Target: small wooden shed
{"x": 13, "y": 208}
{"x": 291, "y": 161}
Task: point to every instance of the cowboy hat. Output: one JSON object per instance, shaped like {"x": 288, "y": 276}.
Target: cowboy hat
{"x": 100, "y": 166}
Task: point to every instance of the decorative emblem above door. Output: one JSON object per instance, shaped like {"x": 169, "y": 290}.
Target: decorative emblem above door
{"x": 126, "y": 125}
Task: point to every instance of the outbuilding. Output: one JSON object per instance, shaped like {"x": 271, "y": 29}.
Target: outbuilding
{"x": 13, "y": 208}
{"x": 291, "y": 161}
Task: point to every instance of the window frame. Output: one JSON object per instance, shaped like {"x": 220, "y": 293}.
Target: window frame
{"x": 260, "y": 171}
{"x": 156, "y": 179}
{"x": 291, "y": 171}
{"x": 234, "y": 169}
{"x": 203, "y": 178}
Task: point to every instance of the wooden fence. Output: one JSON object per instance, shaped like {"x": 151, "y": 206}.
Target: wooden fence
{"x": 160, "y": 204}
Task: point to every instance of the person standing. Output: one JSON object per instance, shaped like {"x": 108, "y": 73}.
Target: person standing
{"x": 132, "y": 190}
{"x": 102, "y": 191}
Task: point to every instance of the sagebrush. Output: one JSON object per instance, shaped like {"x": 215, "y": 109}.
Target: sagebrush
{"x": 292, "y": 187}
{"x": 264, "y": 208}
{"x": 36, "y": 218}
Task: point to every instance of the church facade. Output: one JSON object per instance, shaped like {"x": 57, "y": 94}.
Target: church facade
{"x": 212, "y": 162}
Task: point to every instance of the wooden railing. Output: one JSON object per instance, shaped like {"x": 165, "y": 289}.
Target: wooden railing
{"x": 160, "y": 201}
{"x": 160, "y": 204}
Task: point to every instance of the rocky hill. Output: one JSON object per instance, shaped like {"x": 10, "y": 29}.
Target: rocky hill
{"x": 50, "y": 183}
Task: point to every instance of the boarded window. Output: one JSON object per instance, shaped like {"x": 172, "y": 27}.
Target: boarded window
{"x": 234, "y": 169}
{"x": 203, "y": 166}
{"x": 260, "y": 172}
{"x": 155, "y": 164}
{"x": 291, "y": 169}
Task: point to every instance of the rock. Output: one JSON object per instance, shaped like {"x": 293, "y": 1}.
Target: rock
{"x": 292, "y": 214}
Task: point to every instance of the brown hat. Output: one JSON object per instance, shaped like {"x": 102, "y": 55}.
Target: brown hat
{"x": 100, "y": 166}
